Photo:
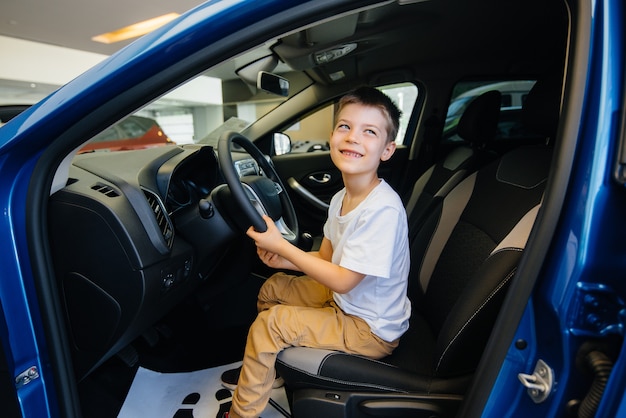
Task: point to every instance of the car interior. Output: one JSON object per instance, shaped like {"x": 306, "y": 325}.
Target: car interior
{"x": 465, "y": 248}
{"x": 150, "y": 258}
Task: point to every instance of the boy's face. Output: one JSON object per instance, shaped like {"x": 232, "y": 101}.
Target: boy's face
{"x": 359, "y": 139}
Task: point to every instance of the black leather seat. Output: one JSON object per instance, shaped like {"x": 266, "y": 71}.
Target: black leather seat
{"x": 477, "y": 128}
{"x": 464, "y": 255}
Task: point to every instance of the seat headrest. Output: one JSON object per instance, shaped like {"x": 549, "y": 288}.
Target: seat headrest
{"x": 479, "y": 122}
{"x": 542, "y": 107}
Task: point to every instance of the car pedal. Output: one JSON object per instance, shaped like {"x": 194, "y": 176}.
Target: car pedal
{"x": 128, "y": 355}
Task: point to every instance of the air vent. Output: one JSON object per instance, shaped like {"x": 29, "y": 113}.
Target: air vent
{"x": 105, "y": 190}
{"x": 162, "y": 218}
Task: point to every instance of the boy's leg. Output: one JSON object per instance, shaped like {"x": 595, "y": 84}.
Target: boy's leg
{"x": 283, "y": 326}
{"x": 282, "y": 288}
{"x": 286, "y": 289}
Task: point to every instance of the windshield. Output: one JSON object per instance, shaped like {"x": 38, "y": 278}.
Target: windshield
{"x": 197, "y": 112}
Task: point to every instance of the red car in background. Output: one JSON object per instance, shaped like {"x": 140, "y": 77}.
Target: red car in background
{"x": 133, "y": 132}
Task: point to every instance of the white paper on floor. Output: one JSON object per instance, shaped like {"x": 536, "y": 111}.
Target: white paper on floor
{"x": 197, "y": 394}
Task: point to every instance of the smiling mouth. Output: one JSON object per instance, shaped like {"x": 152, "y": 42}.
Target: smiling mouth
{"x": 351, "y": 154}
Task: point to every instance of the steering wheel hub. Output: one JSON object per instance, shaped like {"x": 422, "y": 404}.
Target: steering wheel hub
{"x": 257, "y": 195}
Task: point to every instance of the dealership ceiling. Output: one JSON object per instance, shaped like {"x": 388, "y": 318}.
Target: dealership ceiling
{"x": 71, "y": 24}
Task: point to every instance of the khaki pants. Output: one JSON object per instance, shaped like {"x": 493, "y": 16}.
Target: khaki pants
{"x": 296, "y": 311}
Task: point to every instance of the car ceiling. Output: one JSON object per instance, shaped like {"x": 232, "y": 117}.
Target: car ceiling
{"x": 444, "y": 38}
{"x": 466, "y": 36}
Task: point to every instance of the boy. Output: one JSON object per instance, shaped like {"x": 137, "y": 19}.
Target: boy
{"x": 353, "y": 294}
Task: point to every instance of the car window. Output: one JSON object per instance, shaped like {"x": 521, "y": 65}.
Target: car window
{"x": 132, "y": 132}
{"x": 196, "y": 112}
{"x": 130, "y": 128}
{"x": 513, "y": 93}
{"x": 110, "y": 134}
{"x": 405, "y": 96}
{"x": 223, "y": 104}
{"x": 312, "y": 132}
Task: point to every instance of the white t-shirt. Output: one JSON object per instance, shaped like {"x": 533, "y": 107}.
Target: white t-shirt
{"x": 372, "y": 239}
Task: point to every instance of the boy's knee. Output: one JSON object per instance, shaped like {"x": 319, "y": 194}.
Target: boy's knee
{"x": 271, "y": 289}
{"x": 273, "y": 317}
{"x": 278, "y": 324}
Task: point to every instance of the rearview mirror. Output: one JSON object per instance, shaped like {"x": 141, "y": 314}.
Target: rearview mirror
{"x": 272, "y": 83}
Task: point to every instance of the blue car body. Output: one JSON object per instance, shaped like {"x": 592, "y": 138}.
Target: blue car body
{"x": 579, "y": 292}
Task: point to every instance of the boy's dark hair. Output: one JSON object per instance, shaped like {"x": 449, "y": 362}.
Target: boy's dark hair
{"x": 371, "y": 96}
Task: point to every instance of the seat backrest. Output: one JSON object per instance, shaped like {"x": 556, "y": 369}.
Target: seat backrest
{"x": 466, "y": 251}
{"x": 541, "y": 110}
{"x": 476, "y": 127}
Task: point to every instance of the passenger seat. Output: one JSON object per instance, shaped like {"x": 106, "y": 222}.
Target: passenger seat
{"x": 477, "y": 127}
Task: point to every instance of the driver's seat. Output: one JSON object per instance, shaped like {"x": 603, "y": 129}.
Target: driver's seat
{"x": 463, "y": 257}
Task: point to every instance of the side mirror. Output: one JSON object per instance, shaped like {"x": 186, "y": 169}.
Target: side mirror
{"x": 282, "y": 143}
{"x": 272, "y": 83}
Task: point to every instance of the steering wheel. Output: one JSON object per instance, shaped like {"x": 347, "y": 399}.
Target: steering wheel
{"x": 257, "y": 195}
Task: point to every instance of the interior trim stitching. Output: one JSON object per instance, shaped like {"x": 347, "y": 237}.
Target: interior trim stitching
{"x": 491, "y": 295}
{"x": 348, "y": 384}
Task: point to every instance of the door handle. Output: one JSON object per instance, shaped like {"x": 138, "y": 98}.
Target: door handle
{"x": 307, "y": 195}
{"x": 325, "y": 178}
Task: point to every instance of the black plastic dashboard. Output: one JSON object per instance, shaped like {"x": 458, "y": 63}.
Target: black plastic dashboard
{"x": 131, "y": 235}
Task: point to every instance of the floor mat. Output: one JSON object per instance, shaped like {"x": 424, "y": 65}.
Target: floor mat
{"x": 188, "y": 394}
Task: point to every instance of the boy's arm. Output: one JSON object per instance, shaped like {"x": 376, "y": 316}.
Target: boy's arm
{"x": 278, "y": 262}
{"x": 316, "y": 265}
{"x": 336, "y": 278}
{"x": 326, "y": 250}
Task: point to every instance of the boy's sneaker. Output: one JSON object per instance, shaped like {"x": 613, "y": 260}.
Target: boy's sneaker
{"x": 230, "y": 378}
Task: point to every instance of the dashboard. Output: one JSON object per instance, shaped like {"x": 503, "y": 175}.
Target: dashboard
{"x": 132, "y": 233}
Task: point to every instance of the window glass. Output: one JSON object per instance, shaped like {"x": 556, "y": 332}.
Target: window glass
{"x": 198, "y": 111}
{"x": 312, "y": 132}
{"x": 513, "y": 92}
{"x": 405, "y": 96}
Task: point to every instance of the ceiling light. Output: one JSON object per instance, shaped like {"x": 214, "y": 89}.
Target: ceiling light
{"x": 332, "y": 54}
{"x": 337, "y": 75}
{"x": 135, "y": 30}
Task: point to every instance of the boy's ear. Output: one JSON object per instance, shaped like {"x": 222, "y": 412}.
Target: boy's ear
{"x": 390, "y": 148}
